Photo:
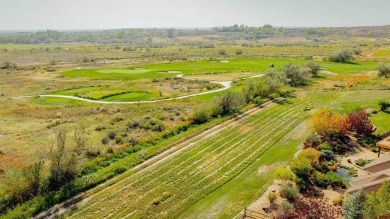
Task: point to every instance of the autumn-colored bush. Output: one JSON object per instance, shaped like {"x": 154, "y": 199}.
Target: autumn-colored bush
{"x": 360, "y": 123}
{"x": 312, "y": 154}
{"x": 327, "y": 123}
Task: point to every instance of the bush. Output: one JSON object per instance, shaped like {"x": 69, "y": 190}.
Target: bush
{"x": 338, "y": 201}
{"x": 119, "y": 140}
{"x": 383, "y": 70}
{"x": 334, "y": 180}
{"x": 327, "y": 155}
{"x": 360, "y": 123}
{"x": 8, "y": 65}
{"x": 284, "y": 209}
{"x": 239, "y": 52}
{"x": 384, "y": 105}
{"x": 105, "y": 140}
{"x": 362, "y": 162}
{"x": 201, "y": 116}
{"x": 311, "y": 154}
{"x": 289, "y": 191}
{"x": 343, "y": 56}
{"x": 378, "y": 202}
{"x": 354, "y": 205}
{"x": 320, "y": 179}
{"x": 222, "y": 52}
{"x": 325, "y": 146}
{"x": 271, "y": 197}
{"x": 284, "y": 174}
{"x": 296, "y": 75}
{"x": 301, "y": 167}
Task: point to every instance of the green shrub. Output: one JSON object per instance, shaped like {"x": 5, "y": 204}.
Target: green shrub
{"x": 119, "y": 140}
{"x": 284, "y": 174}
{"x": 325, "y": 146}
{"x": 303, "y": 184}
{"x": 378, "y": 202}
{"x": 301, "y": 167}
{"x": 273, "y": 96}
{"x": 320, "y": 179}
{"x": 310, "y": 153}
{"x": 362, "y": 162}
{"x": 338, "y": 201}
{"x": 343, "y": 56}
{"x": 289, "y": 191}
{"x": 384, "y": 105}
{"x": 334, "y": 180}
{"x": 201, "y": 116}
{"x": 383, "y": 70}
{"x": 258, "y": 101}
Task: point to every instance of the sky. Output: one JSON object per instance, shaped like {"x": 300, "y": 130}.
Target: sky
{"x": 114, "y": 14}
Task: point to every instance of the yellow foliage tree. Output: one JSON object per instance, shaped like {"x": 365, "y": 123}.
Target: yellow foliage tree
{"x": 327, "y": 123}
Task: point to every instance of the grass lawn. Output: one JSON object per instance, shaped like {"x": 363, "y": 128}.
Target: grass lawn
{"x": 382, "y": 121}
{"x": 382, "y": 53}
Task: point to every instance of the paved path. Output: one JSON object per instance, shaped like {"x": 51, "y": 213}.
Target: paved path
{"x": 226, "y": 85}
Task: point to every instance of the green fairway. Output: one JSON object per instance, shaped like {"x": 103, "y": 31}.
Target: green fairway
{"x": 382, "y": 122}
{"x": 382, "y": 53}
{"x": 203, "y": 67}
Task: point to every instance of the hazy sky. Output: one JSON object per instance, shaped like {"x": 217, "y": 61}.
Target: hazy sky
{"x": 107, "y": 14}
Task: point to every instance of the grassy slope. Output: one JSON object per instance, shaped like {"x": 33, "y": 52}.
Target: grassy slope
{"x": 150, "y": 186}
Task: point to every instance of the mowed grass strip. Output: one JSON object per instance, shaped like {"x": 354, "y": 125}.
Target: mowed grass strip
{"x": 144, "y": 196}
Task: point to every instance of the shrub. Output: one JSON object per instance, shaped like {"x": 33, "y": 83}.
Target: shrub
{"x": 362, "y": 162}
{"x": 111, "y": 135}
{"x": 338, "y": 201}
{"x": 296, "y": 75}
{"x": 222, "y": 52}
{"x": 105, "y": 140}
{"x": 325, "y": 146}
{"x": 314, "y": 68}
{"x": 312, "y": 141}
{"x": 301, "y": 167}
{"x": 271, "y": 197}
{"x": 383, "y": 70}
{"x": 119, "y": 140}
{"x": 8, "y": 65}
{"x": 201, "y": 116}
{"x": 354, "y": 205}
{"x": 284, "y": 174}
{"x": 284, "y": 209}
{"x": 360, "y": 123}
{"x": 334, "y": 180}
{"x": 259, "y": 101}
{"x": 289, "y": 191}
{"x": 320, "y": 179}
{"x": 311, "y": 154}
{"x": 384, "y": 105}
{"x": 327, "y": 155}
{"x": 303, "y": 184}
{"x": 327, "y": 123}
{"x": 378, "y": 202}
{"x": 239, "y": 52}
{"x": 343, "y": 56}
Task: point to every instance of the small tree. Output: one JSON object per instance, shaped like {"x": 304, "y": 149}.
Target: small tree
{"x": 201, "y": 116}
{"x": 296, "y": 75}
{"x": 230, "y": 102}
{"x": 275, "y": 80}
{"x": 62, "y": 163}
{"x": 354, "y": 205}
{"x": 360, "y": 123}
{"x": 314, "y": 68}
{"x": 383, "y": 70}
{"x": 343, "y": 56}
